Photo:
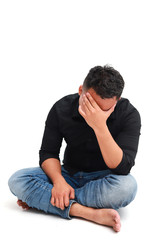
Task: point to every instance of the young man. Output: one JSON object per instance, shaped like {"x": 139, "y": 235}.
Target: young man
{"x": 102, "y": 132}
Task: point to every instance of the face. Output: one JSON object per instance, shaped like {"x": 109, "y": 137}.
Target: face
{"x": 104, "y": 104}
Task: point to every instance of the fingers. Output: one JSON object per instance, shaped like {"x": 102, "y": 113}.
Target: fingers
{"x": 72, "y": 194}
{"x": 63, "y": 201}
{"x": 68, "y": 197}
{"x": 85, "y": 107}
{"x": 112, "y": 109}
{"x": 92, "y": 101}
{"x": 89, "y": 103}
{"x": 81, "y": 111}
{"x": 53, "y": 201}
{"x": 66, "y": 201}
{"x": 109, "y": 112}
{"x": 86, "y": 104}
{"x": 58, "y": 202}
{"x": 61, "y": 194}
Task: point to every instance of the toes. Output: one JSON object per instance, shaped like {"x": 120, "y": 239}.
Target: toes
{"x": 117, "y": 223}
{"x": 26, "y": 208}
{"x": 116, "y": 216}
{"x": 117, "y": 219}
{"x": 117, "y": 227}
{"x": 23, "y": 205}
{"x": 19, "y": 202}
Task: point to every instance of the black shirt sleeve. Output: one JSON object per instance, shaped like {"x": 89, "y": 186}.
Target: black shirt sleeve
{"x": 52, "y": 137}
{"x": 128, "y": 140}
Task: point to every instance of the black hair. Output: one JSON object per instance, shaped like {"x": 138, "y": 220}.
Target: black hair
{"x": 106, "y": 82}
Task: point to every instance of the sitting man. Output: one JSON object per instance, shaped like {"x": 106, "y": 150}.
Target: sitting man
{"x": 101, "y": 131}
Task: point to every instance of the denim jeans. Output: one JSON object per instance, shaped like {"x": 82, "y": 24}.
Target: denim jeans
{"x": 101, "y": 189}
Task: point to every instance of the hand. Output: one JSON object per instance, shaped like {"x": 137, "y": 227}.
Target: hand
{"x": 92, "y": 113}
{"x": 62, "y": 192}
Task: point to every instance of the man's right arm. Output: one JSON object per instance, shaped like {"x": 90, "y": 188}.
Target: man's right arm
{"x": 62, "y": 192}
{"x": 50, "y": 162}
{"x": 52, "y": 168}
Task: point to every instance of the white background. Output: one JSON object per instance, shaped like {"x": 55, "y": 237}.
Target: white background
{"x": 46, "y": 50}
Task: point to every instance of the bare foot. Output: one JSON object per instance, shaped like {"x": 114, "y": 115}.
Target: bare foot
{"x": 23, "y": 204}
{"x": 107, "y": 217}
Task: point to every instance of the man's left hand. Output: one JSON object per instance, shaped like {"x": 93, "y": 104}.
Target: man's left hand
{"x": 94, "y": 116}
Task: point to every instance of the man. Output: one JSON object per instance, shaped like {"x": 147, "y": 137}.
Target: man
{"x": 101, "y": 131}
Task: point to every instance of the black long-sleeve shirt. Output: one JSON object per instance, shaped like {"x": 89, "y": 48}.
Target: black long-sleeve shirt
{"x": 82, "y": 151}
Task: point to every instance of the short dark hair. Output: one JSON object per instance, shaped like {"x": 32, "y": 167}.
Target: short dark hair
{"x": 106, "y": 81}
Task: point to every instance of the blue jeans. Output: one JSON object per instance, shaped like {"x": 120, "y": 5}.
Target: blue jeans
{"x": 101, "y": 189}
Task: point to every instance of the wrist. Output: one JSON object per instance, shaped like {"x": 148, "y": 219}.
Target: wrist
{"x": 100, "y": 129}
{"x": 58, "y": 178}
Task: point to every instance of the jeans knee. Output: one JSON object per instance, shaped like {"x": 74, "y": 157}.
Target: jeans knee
{"x": 15, "y": 182}
{"x": 118, "y": 191}
{"x": 127, "y": 190}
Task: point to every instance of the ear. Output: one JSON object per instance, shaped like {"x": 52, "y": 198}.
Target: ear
{"x": 80, "y": 90}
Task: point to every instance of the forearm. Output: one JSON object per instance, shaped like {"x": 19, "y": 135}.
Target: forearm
{"x": 52, "y": 168}
{"x": 111, "y": 152}
{"x": 61, "y": 192}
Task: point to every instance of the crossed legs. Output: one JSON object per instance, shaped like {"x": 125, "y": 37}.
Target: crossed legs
{"x": 95, "y": 201}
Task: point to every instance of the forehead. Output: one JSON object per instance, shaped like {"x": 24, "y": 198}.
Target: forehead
{"x": 104, "y": 104}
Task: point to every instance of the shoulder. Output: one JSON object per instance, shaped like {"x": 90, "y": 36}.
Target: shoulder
{"x": 66, "y": 100}
{"x": 62, "y": 108}
{"x": 127, "y": 111}
{"x": 65, "y": 104}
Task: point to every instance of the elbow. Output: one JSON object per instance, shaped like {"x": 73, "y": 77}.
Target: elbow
{"x": 44, "y": 155}
{"x": 116, "y": 161}
{"x": 125, "y": 166}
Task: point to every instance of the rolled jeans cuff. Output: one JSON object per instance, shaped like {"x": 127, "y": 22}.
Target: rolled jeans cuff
{"x": 68, "y": 209}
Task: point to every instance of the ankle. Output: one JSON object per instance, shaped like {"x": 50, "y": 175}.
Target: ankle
{"x": 78, "y": 210}
{"x": 72, "y": 209}
{"x": 75, "y": 210}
